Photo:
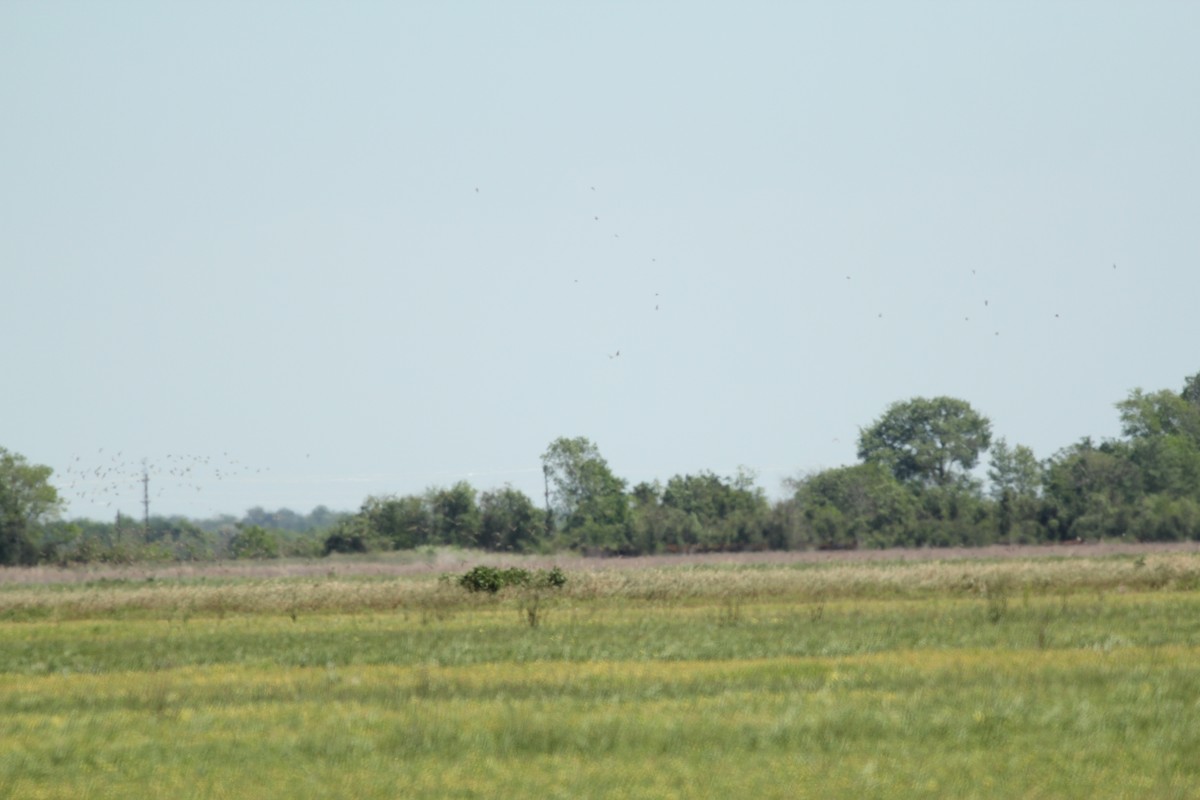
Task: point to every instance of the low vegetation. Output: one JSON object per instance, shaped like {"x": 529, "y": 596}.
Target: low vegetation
{"x": 1006, "y": 678}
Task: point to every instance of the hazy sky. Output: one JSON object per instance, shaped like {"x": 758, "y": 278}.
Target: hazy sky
{"x": 341, "y": 249}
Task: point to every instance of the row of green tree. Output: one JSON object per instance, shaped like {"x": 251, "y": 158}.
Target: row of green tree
{"x": 31, "y": 533}
{"x": 917, "y": 483}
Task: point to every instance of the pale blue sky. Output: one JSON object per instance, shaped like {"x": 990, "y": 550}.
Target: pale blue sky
{"x": 354, "y": 247}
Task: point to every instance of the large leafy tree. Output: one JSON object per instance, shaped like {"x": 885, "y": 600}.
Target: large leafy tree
{"x": 456, "y": 517}
{"x": 927, "y": 441}
{"x": 510, "y": 521}
{"x": 1090, "y": 490}
{"x": 27, "y": 499}
{"x": 729, "y": 513}
{"x": 1163, "y": 438}
{"x": 390, "y": 522}
{"x": 587, "y": 497}
{"x": 1162, "y": 413}
{"x": 1015, "y": 478}
{"x": 1013, "y": 471}
{"x": 1191, "y": 390}
{"x": 859, "y": 506}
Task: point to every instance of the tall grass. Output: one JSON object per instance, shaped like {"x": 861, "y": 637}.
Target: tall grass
{"x": 316, "y": 594}
{"x": 963, "y": 679}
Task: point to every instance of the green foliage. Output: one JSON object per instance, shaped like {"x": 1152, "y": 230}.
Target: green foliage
{"x": 353, "y": 535}
{"x": 254, "y": 541}
{"x": 510, "y": 522}
{"x": 859, "y": 506}
{"x": 589, "y": 500}
{"x": 1086, "y": 488}
{"x": 696, "y": 513}
{"x": 284, "y": 519}
{"x": 454, "y": 515}
{"x": 1015, "y": 478}
{"x": 1014, "y": 470}
{"x": 503, "y": 520}
{"x": 928, "y": 442}
{"x": 913, "y": 487}
{"x": 483, "y": 578}
{"x": 1162, "y": 413}
{"x": 27, "y": 500}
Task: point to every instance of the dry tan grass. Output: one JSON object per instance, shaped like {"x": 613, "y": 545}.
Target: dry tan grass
{"x": 442, "y": 561}
{"x": 351, "y": 587}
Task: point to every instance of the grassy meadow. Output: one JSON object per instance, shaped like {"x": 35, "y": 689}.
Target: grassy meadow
{"x": 1039, "y": 677}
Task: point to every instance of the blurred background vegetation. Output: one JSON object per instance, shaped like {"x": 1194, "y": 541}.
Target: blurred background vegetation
{"x": 930, "y": 474}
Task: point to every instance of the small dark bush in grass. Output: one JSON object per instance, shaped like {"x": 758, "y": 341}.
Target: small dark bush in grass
{"x": 481, "y": 579}
{"x": 492, "y": 579}
{"x": 554, "y": 577}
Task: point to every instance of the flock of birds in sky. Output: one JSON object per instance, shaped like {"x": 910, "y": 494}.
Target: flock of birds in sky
{"x": 617, "y": 353}
{"x": 115, "y": 479}
{"x": 986, "y": 304}
{"x": 657, "y": 305}
{"x": 111, "y": 478}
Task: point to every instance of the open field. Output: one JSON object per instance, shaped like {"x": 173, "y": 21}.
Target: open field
{"x": 445, "y": 559}
{"x": 998, "y": 677}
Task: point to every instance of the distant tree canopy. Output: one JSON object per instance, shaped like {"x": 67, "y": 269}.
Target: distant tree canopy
{"x": 932, "y": 442}
{"x": 919, "y": 482}
{"x": 589, "y": 501}
{"x": 27, "y": 500}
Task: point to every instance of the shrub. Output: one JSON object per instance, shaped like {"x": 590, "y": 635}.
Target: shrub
{"x": 491, "y": 579}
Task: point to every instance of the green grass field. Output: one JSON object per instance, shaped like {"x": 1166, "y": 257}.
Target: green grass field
{"x": 1025, "y": 678}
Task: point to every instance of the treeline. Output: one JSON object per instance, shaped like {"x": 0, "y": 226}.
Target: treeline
{"x": 917, "y": 483}
{"x": 257, "y": 534}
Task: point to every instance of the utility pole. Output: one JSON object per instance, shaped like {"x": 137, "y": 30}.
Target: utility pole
{"x": 546, "y": 484}
{"x": 145, "y": 502}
